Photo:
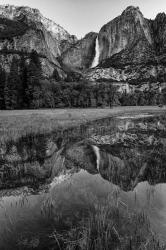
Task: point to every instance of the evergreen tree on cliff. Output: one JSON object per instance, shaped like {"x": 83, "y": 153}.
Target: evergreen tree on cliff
{"x": 56, "y": 76}
{"x": 24, "y": 85}
{"x": 34, "y": 76}
{"x": 2, "y": 87}
{"x": 12, "y": 87}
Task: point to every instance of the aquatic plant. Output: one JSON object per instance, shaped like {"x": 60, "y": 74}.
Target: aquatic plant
{"x": 109, "y": 226}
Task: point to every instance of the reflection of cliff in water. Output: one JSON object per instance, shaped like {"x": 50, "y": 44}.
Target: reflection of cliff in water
{"x": 35, "y": 217}
{"x": 124, "y": 151}
{"x": 31, "y": 160}
{"x": 82, "y": 171}
{"x": 135, "y": 153}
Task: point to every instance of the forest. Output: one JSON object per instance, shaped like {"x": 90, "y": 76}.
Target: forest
{"x": 25, "y": 87}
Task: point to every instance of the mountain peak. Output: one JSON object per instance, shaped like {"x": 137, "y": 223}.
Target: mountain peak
{"x": 31, "y": 15}
{"x": 10, "y": 11}
{"x": 131, "y": 9}
{"x": 161, "y": 16}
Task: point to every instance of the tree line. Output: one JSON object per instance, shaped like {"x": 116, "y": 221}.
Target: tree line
{"x": 26, "y": 88}
{"x": 19, "y": 89}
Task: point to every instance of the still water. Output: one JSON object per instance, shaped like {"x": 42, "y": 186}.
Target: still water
{"x": 28, "y": 219}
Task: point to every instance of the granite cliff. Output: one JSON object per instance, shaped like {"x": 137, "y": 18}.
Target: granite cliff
{"x": 81, "y": 54}
{"x": 127, "y": 31}
{"x": 23, "y": 29}
{"x": 130, "y": 48}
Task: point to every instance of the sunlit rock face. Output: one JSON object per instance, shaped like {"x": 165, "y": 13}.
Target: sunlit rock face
{"x": 24, "y": 29}
{"x": 128, "y": 38}
{"x": 123, "y": 32}
{"x": 128, "y": 48}
{"x": 32, "y": 16}
{"x": 128, "y": 34}
{"x": 132, "y": 49}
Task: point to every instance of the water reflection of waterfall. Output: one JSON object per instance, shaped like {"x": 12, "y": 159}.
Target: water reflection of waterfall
{"x": 97, "y": 54}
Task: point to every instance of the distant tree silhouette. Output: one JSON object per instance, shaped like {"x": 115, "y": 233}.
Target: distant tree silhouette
{"x": 56, "y": 76}
{"x": 12, "y": 86}
{"x": 24, "y": 84}
{"x": 34, "y": 75}
{"x": 2, "y": 87}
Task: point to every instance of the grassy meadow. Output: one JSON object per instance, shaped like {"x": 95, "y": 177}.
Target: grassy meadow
{"x": 18, "y": 123}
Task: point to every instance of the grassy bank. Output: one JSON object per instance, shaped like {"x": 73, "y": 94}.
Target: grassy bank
{"x": 18, "y": 123}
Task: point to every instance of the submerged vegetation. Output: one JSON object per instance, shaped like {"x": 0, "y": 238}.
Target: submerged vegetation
{"x": 108, "y": 224}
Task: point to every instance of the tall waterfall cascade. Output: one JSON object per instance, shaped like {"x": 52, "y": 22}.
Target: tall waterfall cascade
{"x": 97, "y": 54}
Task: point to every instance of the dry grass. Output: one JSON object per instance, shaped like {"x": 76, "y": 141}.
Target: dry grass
{"x": 18, "y": 123}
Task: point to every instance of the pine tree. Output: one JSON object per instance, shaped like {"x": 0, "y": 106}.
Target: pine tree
{"x": 34, "y": 76}
{"x": 12, "y": 86}
{"x": 2, "y": 87}
{"x": 56, "y": 76}
{"x": 24, "y": 85}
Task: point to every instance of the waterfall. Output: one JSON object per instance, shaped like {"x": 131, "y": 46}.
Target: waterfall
{"x": 97, "y": 152}
{"x": 97, "y": 54}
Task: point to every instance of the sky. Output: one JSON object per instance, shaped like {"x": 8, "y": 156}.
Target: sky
{"x": 79, "y": 17}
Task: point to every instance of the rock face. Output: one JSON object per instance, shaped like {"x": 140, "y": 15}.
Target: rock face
{"x": 33, "y": 17}
{"x": 124, "y": 32}
{"x": 81, "y": 54}
{"x": 132, "y": 49}
{"x": 24, "y": 29}
{"x": 158, "y": 28}
{"x": 127, "y": 39}
{"x": 133, "y": 74}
